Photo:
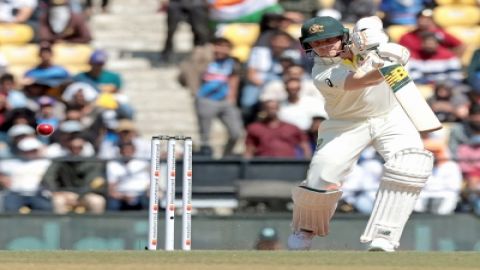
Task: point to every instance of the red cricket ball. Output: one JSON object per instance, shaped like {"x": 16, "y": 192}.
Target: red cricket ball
{"x": 45, "y": 129}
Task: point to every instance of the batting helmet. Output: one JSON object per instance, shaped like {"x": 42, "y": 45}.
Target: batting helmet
{"x": 319, "y": 28}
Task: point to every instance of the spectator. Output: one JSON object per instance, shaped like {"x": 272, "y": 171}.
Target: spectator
{"x": 362, "y": 183}
{"x": 46, "y": 113}
{"x": 275, "y": 89}
{"x": 425, "y": 23}
{"x": 468, "y": 154}
{"x": 217, "y": 95}
{"x": 352, "y": 11}
{"x": 434, "y": 63}
{"x": 401, "y": 12}
{"x": 46, "y": 73}
{"x": 127, "y": 133}
{"x": 61, "y": 24}
{"x": 60, "y": 145}
{"x": 270, "y": 137}
{"x": 264, "y": 66}
{"x": 101, "y": 79}
{"x": 441, "y": 193}
{"x": 76, "y": 184}
{"x": 21, "y": 177}
{"x": 473, "y": 71}
{"x": 196, "y": 12}
{"x": 128, "y": 180}
{"x": 17, "y": 11}
{"x": 464, "y": 132}
{"x": 15, "y": 98}
{"x": 448, "y": 104}
{"x": 273, "y": 22}
{"x": 14, "y": 135}
{"x": 299, "y": 110}
{"x": 268, "y": 239}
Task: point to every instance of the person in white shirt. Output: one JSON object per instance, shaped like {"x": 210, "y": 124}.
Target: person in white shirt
{"x": 299, "y": 110}
{"x": 441, "y": 194}
{"x": 21, "y": 177}
{"x": 128, "y": 181}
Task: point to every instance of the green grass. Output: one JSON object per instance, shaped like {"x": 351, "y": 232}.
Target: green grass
{"x": 233, "y": 260}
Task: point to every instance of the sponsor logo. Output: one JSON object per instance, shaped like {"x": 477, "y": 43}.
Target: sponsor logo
{"x": 396, "y": 76}
{"x": 316, "y": 28}
{"x": 328, "y": 82}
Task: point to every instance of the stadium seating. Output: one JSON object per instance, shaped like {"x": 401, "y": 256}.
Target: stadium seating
{"x": 458, "y": 2}
{"x": 20, "y": 58}
{"x": 456, "y": 15}
{"x": 395, "y": 32}
{"x": 242, "y": 36}
{"x": 470, "y": 36}
{"x": 15, "y": 33}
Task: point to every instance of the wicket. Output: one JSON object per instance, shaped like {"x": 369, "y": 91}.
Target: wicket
{"x": 155, "y": 174}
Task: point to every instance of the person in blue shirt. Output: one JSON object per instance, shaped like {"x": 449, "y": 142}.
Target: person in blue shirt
{"x": 217, "y": 95}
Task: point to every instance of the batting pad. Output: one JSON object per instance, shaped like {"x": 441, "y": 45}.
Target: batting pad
{"x": 405, "y": 175}
{"x": 313, "y": 210}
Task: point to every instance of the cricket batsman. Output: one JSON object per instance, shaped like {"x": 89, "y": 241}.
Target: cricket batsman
{"x": 363, "y": 111}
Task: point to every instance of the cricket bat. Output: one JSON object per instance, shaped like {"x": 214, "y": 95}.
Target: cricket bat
{"x": 409, "y": 97}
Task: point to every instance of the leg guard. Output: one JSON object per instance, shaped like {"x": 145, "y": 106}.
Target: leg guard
{"x": 313, "y": 210}
{"x": 404, "y": 177}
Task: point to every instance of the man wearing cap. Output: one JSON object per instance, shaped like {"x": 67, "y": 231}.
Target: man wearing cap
{"x": 127, "y": 133}
{"x": 21, "y": 177}
{"x": 46, "y": 73}
{"x": 15, "y": 134}
{"x": 101, "y": 79}
{"x": 60, "y": 24}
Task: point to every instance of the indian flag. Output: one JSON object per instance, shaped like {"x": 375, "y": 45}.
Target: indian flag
{"x": 244, "y": 11}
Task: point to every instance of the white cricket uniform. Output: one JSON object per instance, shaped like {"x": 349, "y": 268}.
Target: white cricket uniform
{"x": 357, "y": 119}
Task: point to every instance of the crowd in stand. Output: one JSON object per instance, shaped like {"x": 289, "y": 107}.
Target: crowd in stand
{"x": 248, "y": 71}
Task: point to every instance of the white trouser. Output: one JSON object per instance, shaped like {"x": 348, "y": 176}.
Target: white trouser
{"x": 340, "y": 143}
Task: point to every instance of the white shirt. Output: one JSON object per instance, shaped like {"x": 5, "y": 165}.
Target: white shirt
{"x": 300, "y": 113}
{"x": 131, "y": 178}
{"x": 357, "y": 104}
{"x": 446, "y": 178}
{"x": 7, "y": 8}
{"x": 25, "y": 175}
{"x": 275, "y": 90}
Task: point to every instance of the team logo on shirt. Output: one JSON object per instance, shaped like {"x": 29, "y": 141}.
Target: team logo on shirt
{"x": 316, "y": 28}
{"x": 328, "y": 82}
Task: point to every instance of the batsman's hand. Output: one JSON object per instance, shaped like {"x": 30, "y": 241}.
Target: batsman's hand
{"x": 394, "y": 52}
{"x": 368, "y": 34}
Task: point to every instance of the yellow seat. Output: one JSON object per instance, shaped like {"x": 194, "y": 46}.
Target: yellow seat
{"x": 395, "y": 32}
{"x": 294, "y": 30}
{"x": 458, "y": 2}
{"x": 68, "y": 54}
{"x": 75, "y": 69}
{"x": 469, "y": 35}
{"x": 240, "y": 33}
{"x": 18, "y": 71}
{"x": 241, "y": 52}
{"x": 426, "y": 90}
{"x": 456, "y": 15}
{"x": 12, "y": 33}
{"x": 24, "y": 55}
